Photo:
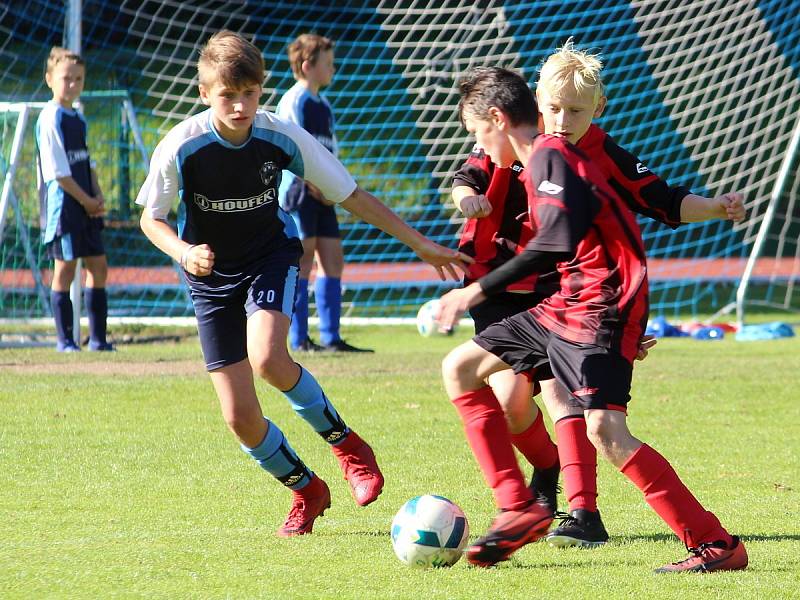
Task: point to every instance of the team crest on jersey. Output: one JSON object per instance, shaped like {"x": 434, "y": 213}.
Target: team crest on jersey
{"x": 268, "y": 172}
{"x": 234, "y": 204}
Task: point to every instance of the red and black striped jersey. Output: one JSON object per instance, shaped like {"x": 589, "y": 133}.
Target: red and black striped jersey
{"x": 498, "y": 237}
{"x": 603, "y": 296}
{"x": 642, "y": 190}
{"x": 493, "y": 240}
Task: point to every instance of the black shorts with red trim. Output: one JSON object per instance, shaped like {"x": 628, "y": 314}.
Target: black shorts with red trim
{"x": 596, "y": 377}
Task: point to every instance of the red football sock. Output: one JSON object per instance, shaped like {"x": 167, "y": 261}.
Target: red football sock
{"x": 578, "y": 459}
{"x": 671, "y": 499}
{"x": 535, "y": 444}
{"x": 487, "y": 434}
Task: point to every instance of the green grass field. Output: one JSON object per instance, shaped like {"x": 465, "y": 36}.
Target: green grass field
{"x": 118, "y": 478}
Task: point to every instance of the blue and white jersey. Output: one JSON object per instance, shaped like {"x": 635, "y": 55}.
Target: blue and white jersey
{"x": 313, "y": 113}
{"x": 229, "y": 194}
{"x": 62, "y": 152}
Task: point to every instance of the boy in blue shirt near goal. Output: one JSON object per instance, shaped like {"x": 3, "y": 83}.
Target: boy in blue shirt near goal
{"x": 72, "y": 205}
{"x": 311, "y": 59}
{"x": 240, "y": 257}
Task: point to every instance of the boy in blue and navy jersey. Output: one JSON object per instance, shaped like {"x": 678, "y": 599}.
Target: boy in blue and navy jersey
{"x": 240, "y": 255}
{"x": 311, "y": 59}
{"x": 72, "y": 204}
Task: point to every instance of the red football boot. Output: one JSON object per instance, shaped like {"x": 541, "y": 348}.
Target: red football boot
{"x": 714, "y": 556}
{"x": 360, "y": 468}
{"x": 510, "y": 530}
{"x": 308, "y": 503}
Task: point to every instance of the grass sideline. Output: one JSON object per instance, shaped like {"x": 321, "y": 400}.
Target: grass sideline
{"x": 119, "y": 479}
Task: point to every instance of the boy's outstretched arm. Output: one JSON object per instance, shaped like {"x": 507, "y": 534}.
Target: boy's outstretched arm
{"x": 729, "y": 206}
{"x": 367, "y": 207}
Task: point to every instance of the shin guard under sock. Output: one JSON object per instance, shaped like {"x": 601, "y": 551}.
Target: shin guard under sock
{"x": 671, "y": 499}
{"x": 535, "y": 444}
{"x": 578, "y": 459}
{"x": 487, "y": 433}
{"x": 276, "y": 456}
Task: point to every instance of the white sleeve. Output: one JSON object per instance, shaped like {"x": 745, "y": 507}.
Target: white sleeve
{"x": 161, "y": 187}
{"x": 318, "y": 166}
{"x": 52, "y": 154}
{"x": 289, "y": 108}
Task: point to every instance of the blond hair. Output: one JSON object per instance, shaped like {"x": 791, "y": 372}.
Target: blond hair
{"x": 230, "y": 59}
{"x": 58, "y": 55}
{"x": 307, "y": 47}
{"x": 571, "y": 66}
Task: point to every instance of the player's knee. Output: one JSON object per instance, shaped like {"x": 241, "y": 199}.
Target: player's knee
{"x": 276, "y": 367}
{"x": 516, "y": 409}
{"x": 266, "y": 366}
{"x": 599, "y": 433}
{"x": 452, "y": 365}
{"x": 238, "y": 421}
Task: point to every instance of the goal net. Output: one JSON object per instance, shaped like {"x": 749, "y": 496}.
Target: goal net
{"x": 706, "y": 92}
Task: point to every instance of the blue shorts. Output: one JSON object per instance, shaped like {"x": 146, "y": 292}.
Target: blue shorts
{"x": 71, "y": 246}
{"x": 222, "y": 312}
{"x": 312, "y": 217}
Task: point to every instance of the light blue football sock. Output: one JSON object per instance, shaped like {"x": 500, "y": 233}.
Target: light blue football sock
{"x": 298, "y": 330}
{"x": 276, "y": 457}
{"x": 328, "y": 297}
{"x": 310, "y": 403}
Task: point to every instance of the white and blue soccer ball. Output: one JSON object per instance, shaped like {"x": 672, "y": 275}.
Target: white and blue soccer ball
{"x": 427, "y": 325}
{"x": 429, "y": 531}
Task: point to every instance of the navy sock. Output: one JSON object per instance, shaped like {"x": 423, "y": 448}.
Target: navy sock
{"x": 328, "y": 296}
{"x": 61, "y": 306}
{"x": 310, "y": 403}
{"x": 97, "y": 308}
{"x": 276, "y": 457}
{"x": 298, "y": 330}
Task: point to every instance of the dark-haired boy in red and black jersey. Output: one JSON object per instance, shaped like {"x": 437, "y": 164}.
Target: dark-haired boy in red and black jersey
{"x": 589, "y": 331}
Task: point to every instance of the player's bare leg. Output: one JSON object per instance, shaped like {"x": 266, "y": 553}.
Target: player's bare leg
{"x": 97, "y": 302}
{"x": 521, "y": 520}
{"x": 328, "y": 294}
{"x": 581, "y": 525}
{"x": 270, "y": 359}
{"x": 711, "y": 547}
{"x": 299, "y": 338}
{"x": 61, "y": 305}
{"x": 263, "y": 441}
{"x": 528, "y": 433}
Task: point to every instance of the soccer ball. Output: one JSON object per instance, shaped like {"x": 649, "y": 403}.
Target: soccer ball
{"x": 427, "y": 325}
{"x": 429, "y": 531}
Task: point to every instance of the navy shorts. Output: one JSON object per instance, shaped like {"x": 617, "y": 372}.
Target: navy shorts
{"x": 71, "y": 246}
{"x": 596, "y": 377}
{"x": 312, "y": 217}
{"x": 224, "y": 305}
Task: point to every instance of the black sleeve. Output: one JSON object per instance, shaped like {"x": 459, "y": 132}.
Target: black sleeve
{"x": 476, "y": 172}
{"x": 643, "y": 191}
{"x": 519, "y": 267}
{"x": 565, "y": 204}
